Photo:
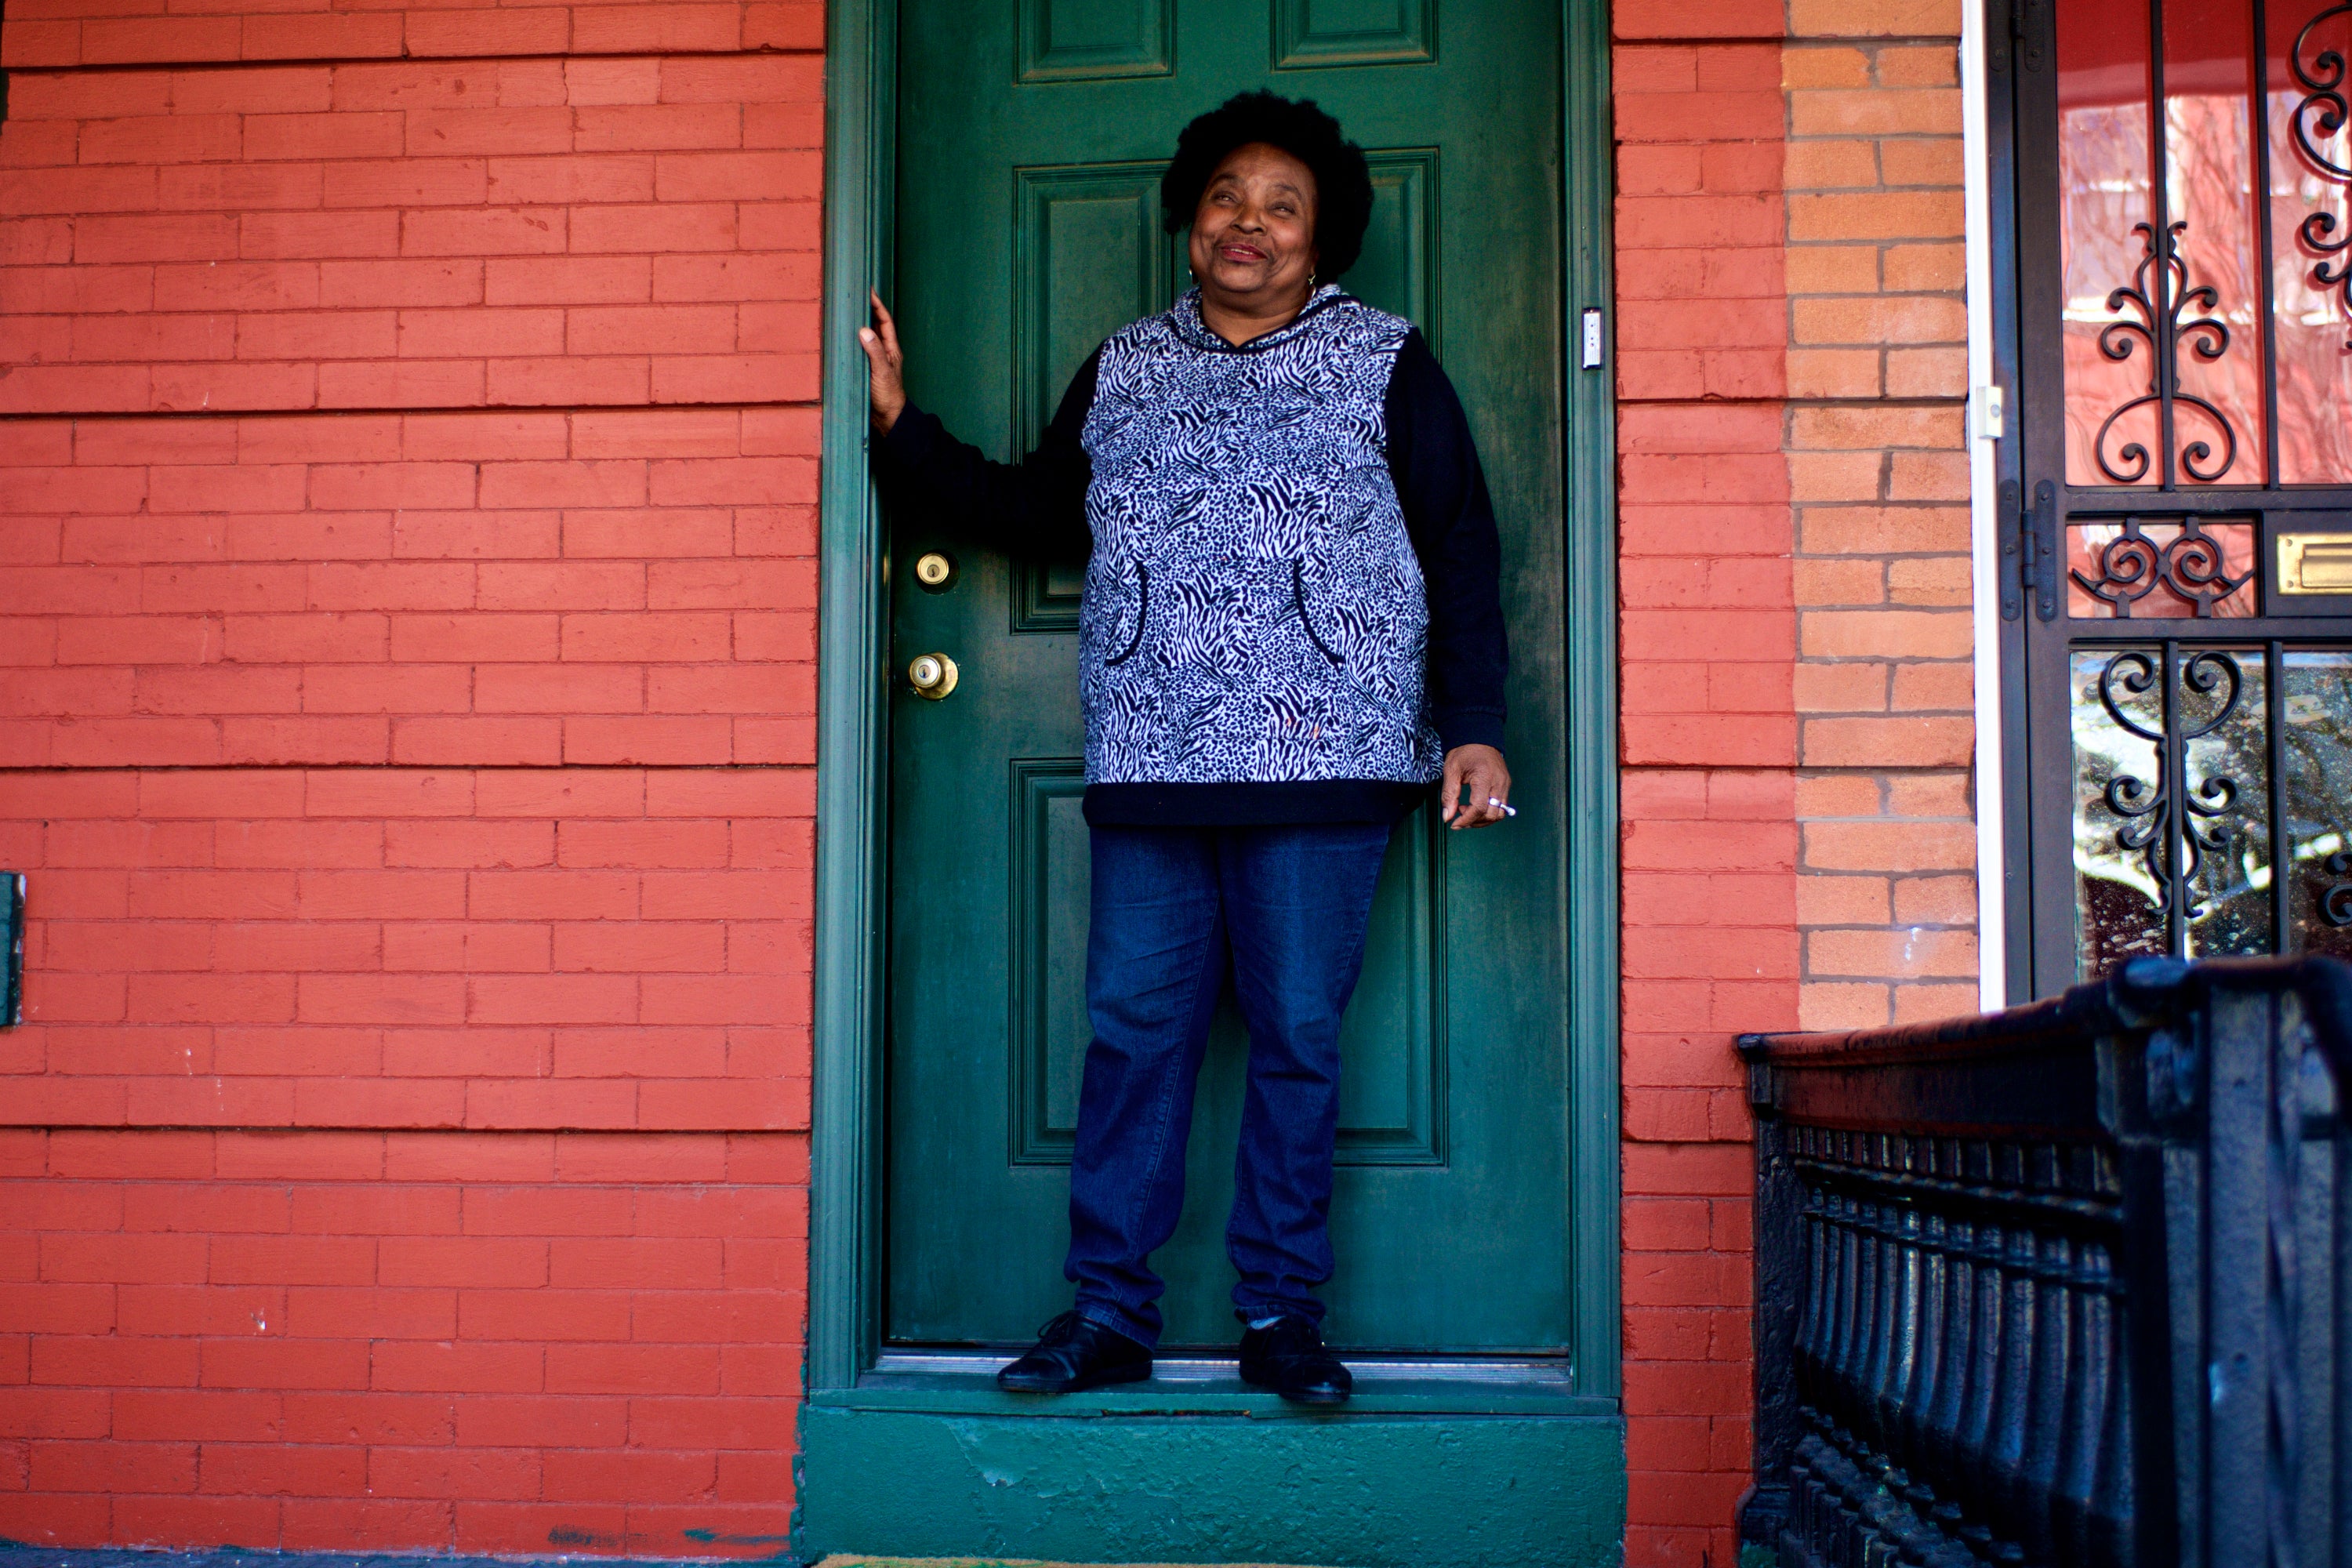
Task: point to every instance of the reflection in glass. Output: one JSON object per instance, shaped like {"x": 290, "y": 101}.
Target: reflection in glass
{"x": 2135, "y": 570}
{"x": 2105, "y": 164}
{"x": 2117, "y": 912}
{"x": 2317, "y": 748}
{"x": 2208, "y": 161}
{"x": 2148, "y": 281}
{"x": 2162, "y": 870}
{"x": 2311, "y": 240}
{"x": 2227, "y": 743}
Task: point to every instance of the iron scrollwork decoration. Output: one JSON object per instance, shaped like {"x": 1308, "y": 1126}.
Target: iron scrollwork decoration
{"x": 2170, "y": 824}
{"x": 2326, "y": 110}
{"x": 2189, "y": 565}
{"x": 2161, "y": 293}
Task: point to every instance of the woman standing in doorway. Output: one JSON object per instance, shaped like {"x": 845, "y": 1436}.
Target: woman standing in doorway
{"x": 1292, "y": 630}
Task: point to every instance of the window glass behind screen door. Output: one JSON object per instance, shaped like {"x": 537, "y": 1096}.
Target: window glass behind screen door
{"x": 2185, "y": 486}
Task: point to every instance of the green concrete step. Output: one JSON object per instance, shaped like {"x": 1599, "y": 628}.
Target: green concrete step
{"x": 855, "y": 1559}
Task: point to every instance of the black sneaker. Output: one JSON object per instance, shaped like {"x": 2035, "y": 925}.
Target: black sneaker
{"x": 1287, "y": 1356}
{"x": 1074, "y": 1353}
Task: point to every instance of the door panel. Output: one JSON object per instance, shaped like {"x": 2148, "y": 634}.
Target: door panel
{"x": 1030, "y": 152}
{"x": 1073, "y": 40}
{"x": 1090, "y": 257}
{"x": 1309, "y": 33}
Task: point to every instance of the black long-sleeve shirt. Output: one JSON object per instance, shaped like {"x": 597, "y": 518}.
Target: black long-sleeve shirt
{"x": 1037, "y": 509}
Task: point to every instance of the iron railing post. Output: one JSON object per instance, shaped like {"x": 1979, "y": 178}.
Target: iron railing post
{"x": 2069, "y": 1285}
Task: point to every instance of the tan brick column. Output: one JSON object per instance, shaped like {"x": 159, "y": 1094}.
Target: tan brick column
{"x": 1879, "y": 472}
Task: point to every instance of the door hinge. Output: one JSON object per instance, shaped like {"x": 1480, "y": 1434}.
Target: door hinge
{"x": 2028, "y": 24}
{"x": 2028, "y": 551}
{"x": 2012, "y": 575}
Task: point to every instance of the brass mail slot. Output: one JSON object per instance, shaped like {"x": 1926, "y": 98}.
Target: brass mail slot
{"x": 2315, "y": 562}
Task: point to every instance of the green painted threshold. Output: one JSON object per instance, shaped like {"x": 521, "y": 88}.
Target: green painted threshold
{"x": 850, "y": 1560}
{"x": 1369, "y": 1491}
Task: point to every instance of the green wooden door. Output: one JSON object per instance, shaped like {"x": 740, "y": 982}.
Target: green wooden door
{"x": 1031, "y": 139}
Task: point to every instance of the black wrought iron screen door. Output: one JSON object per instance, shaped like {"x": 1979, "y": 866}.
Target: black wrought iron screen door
{"x": 2179, "y": 490}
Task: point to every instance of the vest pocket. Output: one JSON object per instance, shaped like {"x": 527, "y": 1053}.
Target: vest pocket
{"x": 1298, "y": 598}
{"x": 1142, "y": 610}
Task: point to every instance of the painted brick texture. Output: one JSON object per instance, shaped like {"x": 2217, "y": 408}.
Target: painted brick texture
{"x": 390, "y": 947}
{"x": 1708, "y": 745}
{"x": 407, "y": 725}
{"x": 1878, "y": 468}
{"x": 328, "y": 1341}
{"x": 605, "y": 231}
{"x": 163, "y": 32}
{"x": 444, "y": 590}
{"x": 1796, "y": 728}
{"x": 408, "y": 722}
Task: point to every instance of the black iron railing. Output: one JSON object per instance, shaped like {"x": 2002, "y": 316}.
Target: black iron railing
{"x": 2070, "y": 1284}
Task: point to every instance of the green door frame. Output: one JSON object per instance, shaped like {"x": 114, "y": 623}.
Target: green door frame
{"x": 852, "y": 759}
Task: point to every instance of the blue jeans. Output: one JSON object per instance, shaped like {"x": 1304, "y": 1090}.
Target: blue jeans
{"x": 1283, "y": 910}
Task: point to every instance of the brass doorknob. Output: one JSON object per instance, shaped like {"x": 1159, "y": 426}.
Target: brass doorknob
{"x": 932, "y": 675}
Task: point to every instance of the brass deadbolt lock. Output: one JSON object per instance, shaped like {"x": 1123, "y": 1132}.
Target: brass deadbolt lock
{"x": 932, "y": 675}
{"x": 935, "y": 572}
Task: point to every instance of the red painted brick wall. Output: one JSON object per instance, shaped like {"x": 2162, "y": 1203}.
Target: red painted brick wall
{"x": 1709, "y": 739}
{"x": 406, "y": 590}
{"x": 1798, "y": 836}
{"x": 487, "y": 1341}
{"x": 1878, "y": 332}
{"x": 407, "y": 607}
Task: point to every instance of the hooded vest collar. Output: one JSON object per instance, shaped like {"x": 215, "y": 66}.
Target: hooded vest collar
{"x": 1185, "y": 319}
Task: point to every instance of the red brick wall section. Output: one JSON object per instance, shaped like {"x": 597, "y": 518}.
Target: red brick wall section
{"x": 46, "y": 33}
{"x": 1878, "y": 381}
{"x": 412, "y": 235}
{"x": 1798, "y": 847}
{"x": 1709, "y": 740}
{"x": 407, "y": 607}
{"x": 582, "y": 947}
{"x": 494, "y": 1342}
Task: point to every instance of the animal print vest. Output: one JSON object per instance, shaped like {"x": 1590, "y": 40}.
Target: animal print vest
{"x": 1253, "y": 609}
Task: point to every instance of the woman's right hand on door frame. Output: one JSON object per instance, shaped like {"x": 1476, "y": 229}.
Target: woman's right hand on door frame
{"x": 886, "y": 365}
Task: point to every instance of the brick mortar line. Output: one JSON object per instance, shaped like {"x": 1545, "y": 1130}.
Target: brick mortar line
{"x": 433, "y": 410}
{"x": 433, "y": 767}
{"x": 533, "y": 1131}
{"x": 1931, "y": 403}
{"x": 1700, "y": 402}
{"x": 317, "y": 61}
{"x": 1856, "y": 40}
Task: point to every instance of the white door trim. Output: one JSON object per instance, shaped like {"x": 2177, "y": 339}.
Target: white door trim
{"x": 1985, "y": 520}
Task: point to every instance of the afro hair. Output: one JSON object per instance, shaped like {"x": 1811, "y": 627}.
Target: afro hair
{"x": 1343, "y": 183}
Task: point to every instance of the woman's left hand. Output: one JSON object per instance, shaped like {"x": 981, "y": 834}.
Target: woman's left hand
{"x": 1482, "y": 771}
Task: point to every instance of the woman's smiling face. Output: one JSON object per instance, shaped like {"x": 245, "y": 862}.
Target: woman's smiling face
{"x": 1254, "y": 233}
